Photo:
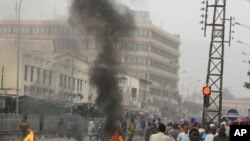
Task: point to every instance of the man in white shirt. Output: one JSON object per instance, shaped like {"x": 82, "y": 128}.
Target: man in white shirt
{"x": 91, "y": 126}
{"x": 211, "y": 134}
{"x": 183, "y": 136}
{"x": 160, "y": 136}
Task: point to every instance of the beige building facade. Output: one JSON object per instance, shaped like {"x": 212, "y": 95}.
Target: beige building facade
{"x": 43, "y": 74}
{"x": 152, "y": 54}
{"x": 135, "y": 92}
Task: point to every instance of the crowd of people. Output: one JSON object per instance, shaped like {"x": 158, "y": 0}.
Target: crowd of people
{"x": 185, "y": 131}
{"x": 156, "y": 130}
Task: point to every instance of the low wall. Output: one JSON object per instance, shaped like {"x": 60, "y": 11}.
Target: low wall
{"x": 10, "y": 130}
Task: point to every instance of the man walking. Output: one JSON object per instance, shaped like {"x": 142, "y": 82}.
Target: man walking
{"x": 148, "y": 131}
{"x": 183, "y": 136}
{"x": 24, "y": 126}
{"x": 131, "y": 129}
{"x": 91, "y": 126}
{"x": 160, "y": 136}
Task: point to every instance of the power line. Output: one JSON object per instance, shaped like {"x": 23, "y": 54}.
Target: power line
{"x": 242, "y": 25}
{"x": 240, "y": 42}
{"x": 203, "y": 59}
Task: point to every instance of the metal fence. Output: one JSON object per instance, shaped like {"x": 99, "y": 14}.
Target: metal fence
{"x": 10, "y": 122}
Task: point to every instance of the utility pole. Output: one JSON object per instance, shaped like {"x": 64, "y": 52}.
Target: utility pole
{"x": 2, "y": 77}
{"x": 213, "y": 103}
{"x": 72, "y": 78}
{"x": 18, "y": 54}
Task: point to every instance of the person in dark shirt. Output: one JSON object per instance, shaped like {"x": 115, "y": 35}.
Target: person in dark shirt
{"x": 24, "y": 126}
{"x": 194, "y": 134}
{"x": 148, "y": 131}
{"x": 221, "y": 135}
{"x": 175, "y": 131}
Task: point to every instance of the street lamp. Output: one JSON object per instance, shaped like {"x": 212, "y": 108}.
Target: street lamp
{"x": 18, "y": 52}
{"x": 71, "y": 86}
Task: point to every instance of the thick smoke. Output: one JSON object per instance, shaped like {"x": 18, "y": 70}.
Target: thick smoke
{"x": 112, "y": 25}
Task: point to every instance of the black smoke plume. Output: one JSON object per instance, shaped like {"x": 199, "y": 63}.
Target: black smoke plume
{"x": 113, "y": 23}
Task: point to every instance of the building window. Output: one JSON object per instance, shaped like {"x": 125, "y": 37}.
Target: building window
{"x": 61, "y": 80}
{"x": 50, "y": 77}
{"x": 42, "y": 30}
{"x": 69, "y": 80}
{"x": 26, "y": 73}
{"x": 8, "y": 29}
{"x": 25, "y": 30}
{"x": 134, "y": 60}
{"x": 80, "y": 85}
{"x": 134, "y": 94}
{"x": 38, "y": 91}
{"x": 45, "y": 91}
{"x": 31, "y": 74}
{"x": 32, "y": 90}
{"x": 37, "y": 30}
{"x": 38, "y": 75}
{"x": 139, "y": 61}
{"x": 164, "y": 40}
{"x": 44, "y": 76}
{"x": 25, "y": 89}
{"x": 51, "y": 92}
{"x": 65, "y": 82}
{"x": 46, "y": 30}
{"x": 73, "y": 83}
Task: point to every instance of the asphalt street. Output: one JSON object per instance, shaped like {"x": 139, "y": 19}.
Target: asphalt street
{"x": 136, "y": 138}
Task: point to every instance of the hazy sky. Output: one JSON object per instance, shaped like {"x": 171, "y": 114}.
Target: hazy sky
{"x": 177, "y": 17}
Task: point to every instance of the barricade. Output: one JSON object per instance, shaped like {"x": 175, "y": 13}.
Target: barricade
{"x": 9, "y": 122}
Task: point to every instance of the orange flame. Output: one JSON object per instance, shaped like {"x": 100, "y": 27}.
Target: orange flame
{"x": 30, "y": 136}
{"x": 116, "y": 137}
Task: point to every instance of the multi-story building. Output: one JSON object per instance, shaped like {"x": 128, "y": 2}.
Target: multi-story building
{"x": 135, "y": 92}
{"x": 43, "y": 74}
{"x": 56, "y": 77}
{"x": 152, "y": 54}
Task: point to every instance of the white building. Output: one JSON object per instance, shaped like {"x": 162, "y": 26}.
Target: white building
{"x": 43, "y": 74}
{"x": 152, "y": 54}
{"x": 135, "y": 92}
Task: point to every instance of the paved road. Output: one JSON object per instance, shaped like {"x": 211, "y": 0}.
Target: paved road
{"x": 61, "y": 139}
{"x": 85, "y": 139}
{"x": 56, "y": 139}
{"x": 136, "y": 138}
